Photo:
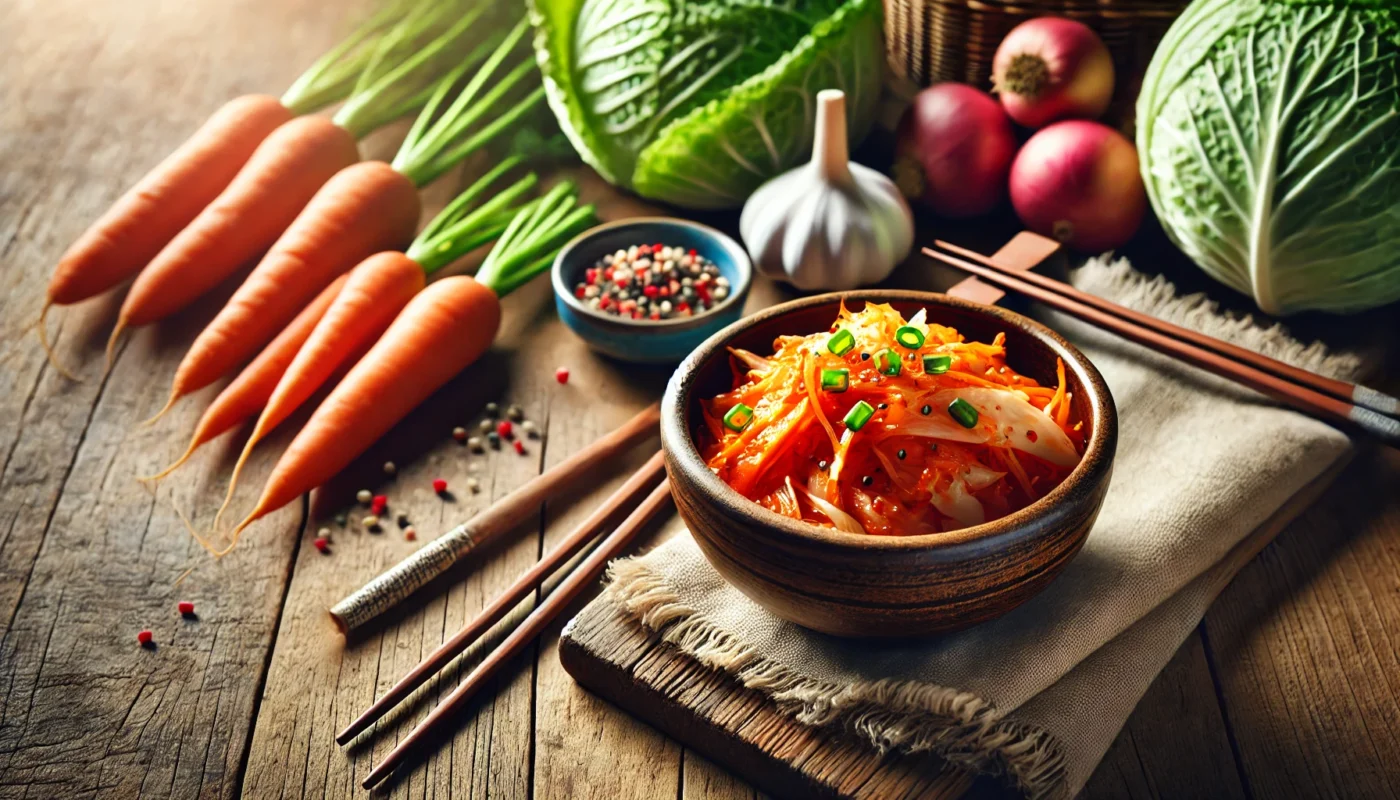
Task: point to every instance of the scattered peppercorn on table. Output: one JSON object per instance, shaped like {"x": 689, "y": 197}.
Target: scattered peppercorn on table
{"x": 136, "y": 665}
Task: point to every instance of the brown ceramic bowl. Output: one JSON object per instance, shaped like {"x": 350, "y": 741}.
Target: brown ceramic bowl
{"x": 887, "y": 586}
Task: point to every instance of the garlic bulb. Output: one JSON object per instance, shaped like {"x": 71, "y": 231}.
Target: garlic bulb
{"x": 829, "y": 224}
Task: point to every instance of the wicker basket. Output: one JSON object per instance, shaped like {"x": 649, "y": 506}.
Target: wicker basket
{"x": 928, "y": 41}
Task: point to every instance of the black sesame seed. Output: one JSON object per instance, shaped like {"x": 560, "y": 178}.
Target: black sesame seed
{"x": 883, "y": 406}
{"x": 926, "y": 410}
{"x": 864, "y": 356}
{"x": 901, "y": 454}
{"x": 866, "y": 481}
{"x": 821, "y": 465}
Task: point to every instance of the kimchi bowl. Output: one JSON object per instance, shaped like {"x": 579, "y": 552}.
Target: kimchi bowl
{"x": 936, "y": 565}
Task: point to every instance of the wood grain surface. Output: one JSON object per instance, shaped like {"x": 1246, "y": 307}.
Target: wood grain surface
{"x": 1289, "y": 689}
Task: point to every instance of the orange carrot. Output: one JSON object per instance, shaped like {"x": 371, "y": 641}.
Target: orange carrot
{"x": 163, "y": 202}
{"x": 278, "y": 181}
{"x": 250, "y": 391}
{"x": 374, "y": 293}
{"x": 439, "y": 333}
{"x": 365, "y": 208}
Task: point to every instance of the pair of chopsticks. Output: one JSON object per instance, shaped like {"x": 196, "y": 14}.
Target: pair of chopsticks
{"x": 1350, "y": 404}
{"x": 414, "y": 572}
{"x": 582, "y": 576}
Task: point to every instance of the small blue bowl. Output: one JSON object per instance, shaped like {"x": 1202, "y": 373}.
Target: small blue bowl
{"x": 664, "y": 341}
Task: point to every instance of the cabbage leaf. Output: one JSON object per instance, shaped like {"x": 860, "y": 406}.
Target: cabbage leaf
{"x": 1269, "y": 137}
{"x": 697, "y": 103}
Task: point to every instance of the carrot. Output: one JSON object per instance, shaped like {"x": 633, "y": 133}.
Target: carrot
{"x": 250, "y": 391}
{"x": 441, "y": 331}
{"x": 163, "y": 202}
{"x": 438, "y": 334}
{"x": 278, "y": 181}
{"x": 374, "y": 292}
{"x": 365, "y": 208}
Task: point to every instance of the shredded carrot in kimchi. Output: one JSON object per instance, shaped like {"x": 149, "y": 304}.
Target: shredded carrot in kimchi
{"x": 925, "y": 432}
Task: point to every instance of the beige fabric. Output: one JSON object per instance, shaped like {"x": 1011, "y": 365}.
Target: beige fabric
{"x": 1042, "y": 692}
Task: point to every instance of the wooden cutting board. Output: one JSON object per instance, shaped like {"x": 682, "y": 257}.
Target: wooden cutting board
{"x": 614, "y": 657}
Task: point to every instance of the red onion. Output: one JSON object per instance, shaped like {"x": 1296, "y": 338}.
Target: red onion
{"x": 953, "y": 150}
{"x": 1052, "y": 68}
{"x": 1078, "y": 181}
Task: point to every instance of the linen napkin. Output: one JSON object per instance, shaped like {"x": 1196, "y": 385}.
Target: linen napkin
{"x": 1039, "y": 694}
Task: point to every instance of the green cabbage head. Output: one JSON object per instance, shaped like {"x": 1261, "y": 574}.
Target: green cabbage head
{"x": 697, "y": 102}
{"x": 1269, "y": 137}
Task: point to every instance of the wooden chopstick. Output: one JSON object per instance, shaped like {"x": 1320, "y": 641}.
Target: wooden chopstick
{"x": 582, "y": 577}
{"x": 1361, "y": 395}
{"x": 626, "y": 496}
{"x": 1305, "y": 399}
{"x": 406, "y": 577}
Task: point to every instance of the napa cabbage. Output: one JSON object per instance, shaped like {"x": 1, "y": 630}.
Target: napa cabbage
{"x": 1269, "y": 137}
{"x": 697, "y": 102}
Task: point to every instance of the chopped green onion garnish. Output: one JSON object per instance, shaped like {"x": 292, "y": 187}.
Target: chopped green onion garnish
{"x": 841, "y": 342}
{"x": 910, "y": 337}
{"x": 887, "y": 361}
{"x": 859, "y": 414}
{"x": 937, "y": 365}
{"x": 963, "y": 412}
{"x": 739, "y": 417}
{"x": 836, "y": 380}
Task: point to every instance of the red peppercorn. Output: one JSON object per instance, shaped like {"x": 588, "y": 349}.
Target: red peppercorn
{"x": 644, "y": 250}
{"x": 579, "y": 291}
{"x": 145, "y": 637}
{"x": 321, "y": 543}
{"x": 664, "y": 291}
{"x": 656, "y": 315}
{"x": 378, "y": 504}
{"x": 604, "y": 303}
{"x": 682, "y": 306}
{"x": 651, "y": 291}
{"x": 608, "y": 273}
{"x": 519, "y": 447}
{"x": 186, "y": 608}
{"x": 590, "y": 275}
{"x": 637, "y": 314}
{"x": 562, "y": 374}
{"x": 439, "y": 485}
{"x": 692, "y": 252}
{"x": 503, "y": 428}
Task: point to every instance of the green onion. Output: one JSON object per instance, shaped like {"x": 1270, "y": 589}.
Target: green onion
{"x": 888, "y": 362}
{"x": 738, "y": 417}
{"x": 937, "y": 365}
{"x": 910, "y": 337}
{"x": 841, "y": 342}
{"x": 859, "y": 414}
{"x": 464, "y": 226}
{"x": 963, "y": 412}
{"x": 836, "y": 380}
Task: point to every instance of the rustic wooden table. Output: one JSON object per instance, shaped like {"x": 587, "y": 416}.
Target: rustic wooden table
{"x": 1289, "y": 688}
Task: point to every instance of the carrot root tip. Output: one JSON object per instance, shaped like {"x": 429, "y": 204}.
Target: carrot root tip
{"x": 179, "y": 462}
{"x": 112, "y": 347}
{"x": 48, "y": 350}
{"x": 174, "y": 395}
